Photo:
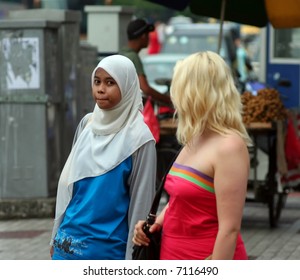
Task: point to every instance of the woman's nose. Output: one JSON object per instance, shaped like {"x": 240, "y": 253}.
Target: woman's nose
{"x": 101, "y": 88}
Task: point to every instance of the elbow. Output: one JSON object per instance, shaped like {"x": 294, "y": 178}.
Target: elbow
{"x": 230, "y": 231}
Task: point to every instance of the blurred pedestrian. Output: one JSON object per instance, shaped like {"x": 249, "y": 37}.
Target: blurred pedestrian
{"x": 138, "y": 38}
{"x": 108, "y": 181}
{"x": 241, "y": 64}
{"x": 207, "y": 184}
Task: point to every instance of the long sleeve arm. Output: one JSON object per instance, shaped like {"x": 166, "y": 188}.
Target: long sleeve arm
{"x": 142, "y": 188}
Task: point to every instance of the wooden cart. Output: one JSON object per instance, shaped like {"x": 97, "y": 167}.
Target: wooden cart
{"x": 269, "y": 190}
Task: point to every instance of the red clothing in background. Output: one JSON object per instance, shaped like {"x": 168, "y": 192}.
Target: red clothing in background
{"x": 154, "y": 44}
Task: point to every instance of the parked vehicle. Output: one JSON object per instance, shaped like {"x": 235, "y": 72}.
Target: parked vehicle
{"x": 159, "y": 69}
{"x": 180, "y": 20}
{"x": 194, "y": 37}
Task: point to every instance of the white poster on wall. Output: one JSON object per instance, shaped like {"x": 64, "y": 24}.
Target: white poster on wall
{"x": 21, "y": 56}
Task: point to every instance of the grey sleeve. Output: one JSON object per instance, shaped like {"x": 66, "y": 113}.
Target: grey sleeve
{"x": 141, "y": 188}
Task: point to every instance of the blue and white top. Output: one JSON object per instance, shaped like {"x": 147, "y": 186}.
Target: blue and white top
{"x": 96, "y": 232}
{"x": 108, "y": 181}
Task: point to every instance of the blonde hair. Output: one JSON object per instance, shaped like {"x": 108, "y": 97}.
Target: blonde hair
{"x": 205, "y": 96}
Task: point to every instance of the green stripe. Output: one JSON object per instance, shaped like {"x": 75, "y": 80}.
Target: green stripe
{"x": 193, "y": 180}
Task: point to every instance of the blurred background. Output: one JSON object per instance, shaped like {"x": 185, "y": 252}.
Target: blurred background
{"x": 48, "y": 49}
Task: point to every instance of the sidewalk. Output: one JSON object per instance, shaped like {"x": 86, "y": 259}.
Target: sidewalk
{"x": 265, "y": 243}
{"x": 28, "y": 239}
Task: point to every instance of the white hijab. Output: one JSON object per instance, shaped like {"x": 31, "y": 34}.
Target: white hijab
{"x": 111, "y": 136}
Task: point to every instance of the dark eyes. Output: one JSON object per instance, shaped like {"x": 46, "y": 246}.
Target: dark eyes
{"x": 110, "y": 82}
{"x": 107, "y": 82}
{"x": 96, "y": 82}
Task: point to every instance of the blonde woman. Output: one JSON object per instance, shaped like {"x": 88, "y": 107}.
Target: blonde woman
{"x": 208, "y": 181}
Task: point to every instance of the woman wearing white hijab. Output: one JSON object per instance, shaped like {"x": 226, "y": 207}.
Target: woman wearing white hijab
{"x": 108, "y": 181}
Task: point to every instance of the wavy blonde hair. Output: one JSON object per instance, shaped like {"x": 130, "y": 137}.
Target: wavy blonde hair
{"x": 205, "y": 96}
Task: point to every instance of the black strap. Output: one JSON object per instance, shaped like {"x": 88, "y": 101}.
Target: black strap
{"x": 152, "y": 214}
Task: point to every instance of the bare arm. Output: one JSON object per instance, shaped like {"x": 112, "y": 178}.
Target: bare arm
{"x": 149, "y": 91}
{"x": 231, "y": 176}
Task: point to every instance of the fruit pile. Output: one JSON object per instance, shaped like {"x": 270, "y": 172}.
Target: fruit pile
{"x": 266, "y": 106}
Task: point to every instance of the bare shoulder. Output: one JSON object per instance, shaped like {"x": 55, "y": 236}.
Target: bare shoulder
{"x": 231, "y": 144}
{"x": 232, "y": 156}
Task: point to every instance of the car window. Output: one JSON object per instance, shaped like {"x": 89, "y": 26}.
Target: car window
{"x": 193, "y": 43}
{"x": 157, "y": 70}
